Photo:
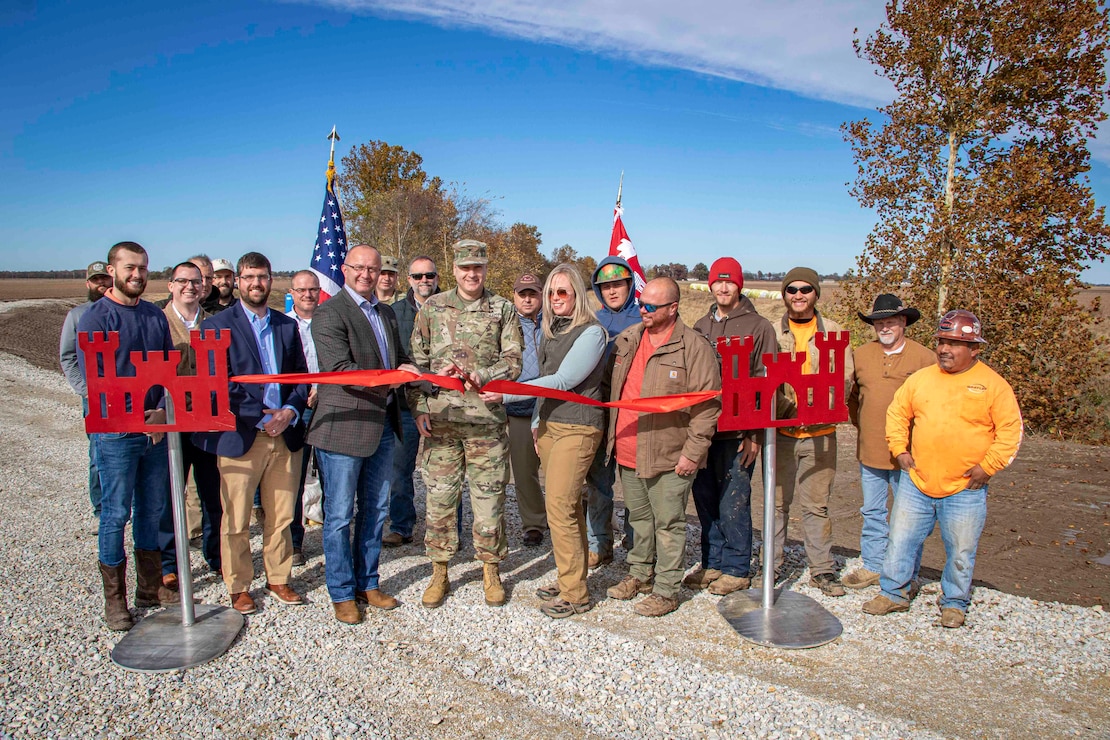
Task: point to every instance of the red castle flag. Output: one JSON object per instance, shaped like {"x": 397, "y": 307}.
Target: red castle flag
{"x": 621, "y": 246}
{"x": 331, "y": 239}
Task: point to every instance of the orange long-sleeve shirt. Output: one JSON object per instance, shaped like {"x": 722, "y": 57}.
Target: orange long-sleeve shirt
{"x": 959, "y": 421}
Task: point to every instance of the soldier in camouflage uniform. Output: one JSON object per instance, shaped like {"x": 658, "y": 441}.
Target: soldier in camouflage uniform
{"x": 474, "y": 335}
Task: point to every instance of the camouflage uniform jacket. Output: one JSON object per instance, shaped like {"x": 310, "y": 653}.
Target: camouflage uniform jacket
{"x": 482, "y": 336}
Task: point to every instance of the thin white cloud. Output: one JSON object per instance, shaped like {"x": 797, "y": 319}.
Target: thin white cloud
{"x": 802, "y": 46}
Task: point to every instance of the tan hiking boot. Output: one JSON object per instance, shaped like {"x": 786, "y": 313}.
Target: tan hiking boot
{"x": 628, "y": 588}
{"x": 598, "y": 559}
{"x": 726, "y": 584}
{"x": 491, "y": 584}
{"x": 655, "y": 605}
{"x": 115, "y": 597}
{"x": 150, "y": 588}
{"x": 881, "y": 605}
{"x": 951, "y": 618}
{"x": 860, "y": 578}
{"x": 701, "y": 578}
{"x": 438, "y": 587}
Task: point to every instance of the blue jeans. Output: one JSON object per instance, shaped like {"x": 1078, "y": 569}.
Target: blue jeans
{"x": 961, "y": 517}
{"x": 723, "y": 497}
{"x": 94, "y": 476}
{"x": 872, "y": 540}
{"x": 358, "y": 487}
{"x": 134, "y": 475}
{"x": 402, "y": 509}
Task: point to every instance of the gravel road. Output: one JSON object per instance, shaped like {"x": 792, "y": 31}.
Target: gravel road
{"x": 1021, "y": 668}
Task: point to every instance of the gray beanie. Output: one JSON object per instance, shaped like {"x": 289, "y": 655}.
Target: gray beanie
{"x": 806, "y": 275}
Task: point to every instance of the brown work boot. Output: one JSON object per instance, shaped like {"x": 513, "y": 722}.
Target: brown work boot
{"x": 393, "y": 539}
{"x": 438, "y": 587}
{"x": 701, "y": 578}
{"x": 828, "y": 584}
{"x": 951, "y": 617}
{"x": 860, "y": 578}
{"x": 628, "y": 588}
{"x": 115, "y": 597}
{"x": 284, "y": 593}
{"x": 726, "y": 584}
{"x": 347, "y": 612}
{"x": 150, "y": 588}
{"x": 491, "y": 584}
{"x": 598, "y": 559}
{"x": 655, "y": 605}
{"x": 377, "y": 598}
{"x": 881, "y": 605}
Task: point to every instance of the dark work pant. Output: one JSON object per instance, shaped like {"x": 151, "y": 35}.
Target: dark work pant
{"x": 207, "y": 477}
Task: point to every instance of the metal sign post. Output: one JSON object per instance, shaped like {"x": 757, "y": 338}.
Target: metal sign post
{"x": 785, "y": 619}
{"x": 163, "y": 641}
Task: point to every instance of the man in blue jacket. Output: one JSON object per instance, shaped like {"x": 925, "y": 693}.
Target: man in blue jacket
{"x": 264, "y": 451}
{"x": 613, "y": 285}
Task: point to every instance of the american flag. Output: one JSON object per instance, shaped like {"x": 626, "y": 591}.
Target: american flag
{"x": 621, "y": 246}
{"x": 331, "y": 246}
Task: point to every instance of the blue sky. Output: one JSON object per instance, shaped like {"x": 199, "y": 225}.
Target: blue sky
{"x": 202, "y": 126}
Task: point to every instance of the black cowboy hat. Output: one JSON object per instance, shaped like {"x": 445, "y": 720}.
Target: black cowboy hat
{"x": 888, "y": 305}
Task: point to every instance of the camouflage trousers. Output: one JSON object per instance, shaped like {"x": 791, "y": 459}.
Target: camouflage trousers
{"x": 481, "y": 453}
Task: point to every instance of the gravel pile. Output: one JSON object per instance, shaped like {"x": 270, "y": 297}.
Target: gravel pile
{"x": 1019, "y": 668}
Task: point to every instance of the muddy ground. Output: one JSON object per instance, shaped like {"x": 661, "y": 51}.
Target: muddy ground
{"x": 1048, "y": 525}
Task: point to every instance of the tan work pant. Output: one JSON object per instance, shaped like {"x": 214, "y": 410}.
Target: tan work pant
{"x": 566, "y": 451}
{"x": 268, "y": 463}
{"x": 804, "y": 471}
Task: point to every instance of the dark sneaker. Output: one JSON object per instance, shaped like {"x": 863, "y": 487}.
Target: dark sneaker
{"x": 533, "y": 538}
{"x": 828, "y": 583}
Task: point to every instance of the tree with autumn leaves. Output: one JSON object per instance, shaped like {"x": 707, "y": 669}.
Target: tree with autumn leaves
{"x": 977, "y": 174}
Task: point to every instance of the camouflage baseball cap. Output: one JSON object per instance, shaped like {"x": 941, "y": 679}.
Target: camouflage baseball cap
{"x": 389, "y": 264}
{"x": 95, "y": 269}
{"x": 470, "y": 252}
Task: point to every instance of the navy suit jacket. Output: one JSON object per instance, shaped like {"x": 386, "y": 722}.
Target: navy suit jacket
{"x": 246, "y": 399}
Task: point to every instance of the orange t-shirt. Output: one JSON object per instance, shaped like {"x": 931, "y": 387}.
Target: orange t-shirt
{"x": 628, "y": 420}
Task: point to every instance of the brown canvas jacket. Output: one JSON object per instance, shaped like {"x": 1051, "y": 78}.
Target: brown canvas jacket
{"x": 179, "y": 335}
{"x": 686, "y": 363}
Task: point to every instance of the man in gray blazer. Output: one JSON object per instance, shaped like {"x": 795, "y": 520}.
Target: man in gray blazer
{"x": 355, "y": 331}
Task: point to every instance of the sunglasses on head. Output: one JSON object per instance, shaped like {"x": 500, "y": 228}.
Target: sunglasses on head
{"x": 422, "y": 275}
{"x": 559, "y": 292}
{"x": 803, "y": 289}
{"x": 653, "y": 307}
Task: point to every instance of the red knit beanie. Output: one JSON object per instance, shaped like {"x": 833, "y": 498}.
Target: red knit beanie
{"x": 726, "y": 268}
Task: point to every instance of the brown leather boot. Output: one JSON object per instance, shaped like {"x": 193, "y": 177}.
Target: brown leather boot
{"x": 115, "y": 597}
{"x": 438, "y": 587}
{"x": 491, "y": 583}
{"x": 150, "y": 590}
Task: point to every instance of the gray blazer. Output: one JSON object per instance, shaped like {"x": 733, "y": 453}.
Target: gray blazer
{"x": 349, "y": 419}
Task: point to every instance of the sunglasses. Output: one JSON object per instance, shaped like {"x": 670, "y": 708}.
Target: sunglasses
{"x": 560, "y": 292}
{"x": 423, "y": 275}
{"x": 653, "y": 307}
{"x": 803, "y": 289}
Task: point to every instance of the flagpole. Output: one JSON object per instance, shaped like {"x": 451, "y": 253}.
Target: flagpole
{"x": 331, "y": 159}
{"x": 620, "y": 187}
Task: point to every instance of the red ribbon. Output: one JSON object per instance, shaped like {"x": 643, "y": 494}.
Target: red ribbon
{"x": 376, "y": 378}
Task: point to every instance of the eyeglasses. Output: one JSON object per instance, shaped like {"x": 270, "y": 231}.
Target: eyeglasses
{"x": 359, "y": 269}
{"x": 302, "y": 291}
{"x": 653, "y": 307}
{"x": 422, "y": 275}
{"x": 803, "y": 289}
{"x": 253, "y": 278}
{"x": 560, "y": 292}
{"x": 186, "y": 281}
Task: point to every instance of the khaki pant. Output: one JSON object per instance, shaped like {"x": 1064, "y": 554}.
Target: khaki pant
{"x": 657, "y": 512}
{"x": 805, "y": 470}
{"x": 194, "y": 518}
{"x": 268, "y": 463}
{"x": 567, "y": 450}
{"x": 526, "y": 474}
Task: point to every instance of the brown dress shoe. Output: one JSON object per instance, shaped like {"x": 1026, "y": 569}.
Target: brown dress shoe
{"x": 286, "y": 595}
{"x": 243, "y": 603}
{"x": 347, "y": 612}
{"x": 377, "y": 598}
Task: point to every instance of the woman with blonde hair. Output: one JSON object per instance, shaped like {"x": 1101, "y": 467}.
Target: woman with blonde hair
{"x": 567, "y": 434}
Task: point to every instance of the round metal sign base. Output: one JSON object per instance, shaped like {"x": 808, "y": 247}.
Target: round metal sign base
{"x": 794, "y": 621}
{"x": 160, "y": 643}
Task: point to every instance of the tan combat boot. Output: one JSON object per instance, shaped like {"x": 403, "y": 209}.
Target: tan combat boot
{"x": 115, "y": 597}
{"x": 491, "y": 583}
{"x": 438, "y": 587}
